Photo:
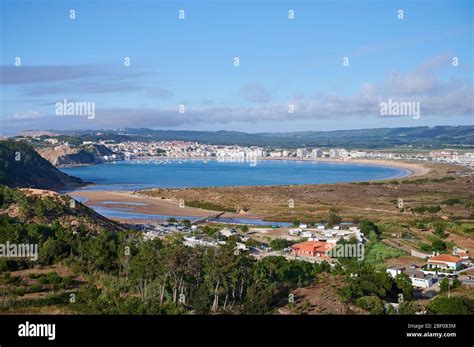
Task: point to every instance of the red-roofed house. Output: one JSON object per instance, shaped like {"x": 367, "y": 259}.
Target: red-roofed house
{"x": 312, "y": 248}
{"x": 445, "y": 261}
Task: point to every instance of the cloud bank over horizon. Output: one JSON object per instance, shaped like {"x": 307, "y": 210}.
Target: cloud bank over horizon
{"x": 196, "y": 86}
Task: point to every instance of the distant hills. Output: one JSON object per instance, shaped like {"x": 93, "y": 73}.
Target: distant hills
{"x": 21, "y": 166}
{"x": 421, "y": 137}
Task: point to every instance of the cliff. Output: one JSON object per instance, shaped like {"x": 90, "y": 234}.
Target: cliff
{"x": 65, "y": 155}
{"x": 21, "y": 166}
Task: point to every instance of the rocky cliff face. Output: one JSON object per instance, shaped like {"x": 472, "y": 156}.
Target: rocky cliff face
{"x": 21, "y": 166}
{"x": 65, "y": 155}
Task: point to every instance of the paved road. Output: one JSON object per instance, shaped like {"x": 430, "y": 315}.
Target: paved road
{"x": 467, "y": 282}
{"x": 466, "y": 269}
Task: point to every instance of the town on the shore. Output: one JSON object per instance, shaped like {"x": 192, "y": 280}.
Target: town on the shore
{"x": 234, "y": 153}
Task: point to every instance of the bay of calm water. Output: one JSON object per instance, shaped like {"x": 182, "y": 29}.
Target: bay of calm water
{"x": 135, "y": 175}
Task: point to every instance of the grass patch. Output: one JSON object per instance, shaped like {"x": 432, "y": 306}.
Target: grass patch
{"x": 376, "y": 253}
{"x": 209, "y": 206}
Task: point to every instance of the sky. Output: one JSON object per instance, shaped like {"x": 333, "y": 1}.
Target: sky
{"x": 328, "y": 67}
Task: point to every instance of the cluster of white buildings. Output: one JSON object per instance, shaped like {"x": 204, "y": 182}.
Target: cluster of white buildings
{"x": 151, "y": 231}
{"x": 426, "y": 276}
{"x": 331, "y": 235}
{"x": 315, "y": 153}
{"x": 193, "y": 241}
{"x": 464, "y": 159}
{"x": 172, "y": 149}
{"x": 446, "y": 157}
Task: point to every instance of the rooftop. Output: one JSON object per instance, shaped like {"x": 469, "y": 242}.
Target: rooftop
{"x": 445, "y": 258}
{"x": 313, "y": 246}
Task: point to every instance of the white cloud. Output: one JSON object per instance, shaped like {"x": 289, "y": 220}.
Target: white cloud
{"x": 27, "y": 115}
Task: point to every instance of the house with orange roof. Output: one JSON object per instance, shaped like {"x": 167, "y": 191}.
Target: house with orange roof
{"x": 312, "y": 248}
{"x": 445, "y": 261}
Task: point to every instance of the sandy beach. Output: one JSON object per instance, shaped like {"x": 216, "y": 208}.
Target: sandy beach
{"x": 139, "y": 203}
{"x": 416, "y": 169}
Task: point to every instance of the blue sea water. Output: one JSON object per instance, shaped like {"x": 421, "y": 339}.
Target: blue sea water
{"x": 134, "y": 175}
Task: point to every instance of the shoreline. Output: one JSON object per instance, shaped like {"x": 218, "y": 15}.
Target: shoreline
{"x": 137, "y": 203}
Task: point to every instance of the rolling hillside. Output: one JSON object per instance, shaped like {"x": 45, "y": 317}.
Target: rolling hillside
{"x": 21, "y": 166}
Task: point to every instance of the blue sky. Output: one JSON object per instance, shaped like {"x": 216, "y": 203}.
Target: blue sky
{"x": 190, "y": 62}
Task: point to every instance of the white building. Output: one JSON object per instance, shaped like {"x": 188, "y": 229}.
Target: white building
{"x": 294, "y": 232}
{"x": 317, "y": 153}
{"x": 461, "y": 253}
{"x": 445, "y": 261}
{"x": 227, "y": 232}
{"x": 393, "y": 271}
{"x": 418, "y": 279}
{"x": 301, "y": 152}
{"x": 334, "y": 153}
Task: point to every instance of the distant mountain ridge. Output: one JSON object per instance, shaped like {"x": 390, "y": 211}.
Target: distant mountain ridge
{"x": 21, "y": 166}
{"x": 428, "y": 137}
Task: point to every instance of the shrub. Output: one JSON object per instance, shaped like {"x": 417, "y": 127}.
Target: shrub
{"x": 451, "y": 305}
{"x": 43, "y": 279}
{"x": 34, "y": 288}
{"x": 371, "y": 303}
{"x": 54, "y": 278}
{"x": 67, "y": 281}
{"x": 279, "y": 244}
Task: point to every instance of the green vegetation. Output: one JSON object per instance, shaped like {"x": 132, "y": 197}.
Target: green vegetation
{"x": 439, "y": 230}
{"x": 209, "y": 206}
{"x": 119, "y": 272}
{"x": 370, "y": 289}
{"x": 445, "y": 285}
{"x": 443, "y": 179}
{"x": 430, "y": 209}
{"x": 280, "y": 244}
{"x": 377, "y": 253}
{"x": 369, "y": 229}
{"x": 437, "y": 245}
{"x": 127, "y": 274}
{"x": 21, "y": 166}
{"x": 451, "y": 305}
{"x": 415, "y": 181}
{"x": 333, "y": 218}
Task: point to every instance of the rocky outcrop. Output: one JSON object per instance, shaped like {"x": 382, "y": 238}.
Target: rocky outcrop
{"x": 21, "y": 166}
{"x": 64, "y": 155}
